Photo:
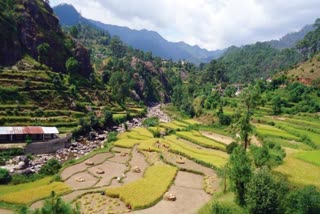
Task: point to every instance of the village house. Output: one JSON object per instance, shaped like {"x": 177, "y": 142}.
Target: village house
{"x": 21, "y": 134}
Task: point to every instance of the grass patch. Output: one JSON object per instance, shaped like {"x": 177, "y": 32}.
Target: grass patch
{"x": 148, "y": 190}
{"x": 267, "y": 131}
{"x": 312, "y": 157}
{"x": 299, "y": 172}
{"x": 286, "y": 143}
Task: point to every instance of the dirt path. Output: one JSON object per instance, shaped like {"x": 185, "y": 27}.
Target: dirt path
{"x": 190, "y": 196}
{"x": 217, "y": 137}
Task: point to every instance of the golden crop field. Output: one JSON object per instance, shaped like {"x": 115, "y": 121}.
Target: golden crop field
{"x": 148, "y": 190}
{"x": 213, "y": 157}
{"x": 198, "y": 138}
{"x": 31, "y": 192}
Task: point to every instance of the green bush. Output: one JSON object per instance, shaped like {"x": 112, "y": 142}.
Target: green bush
{"x": 21, "y": 179}
{"x": 5, "y": 176}
{"x": 306, "y": 200}
{"x": 152, "y": 121}
{"x": 50, "y": 168}
{"x": 72, "y": 65}
{"x": 112, "y": 136}
{"x": 231, "y": 147}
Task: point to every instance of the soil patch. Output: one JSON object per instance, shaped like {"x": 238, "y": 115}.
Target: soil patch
{"x": 111, "y": 170}
{"x": 138, "y": 160}
{"x": 81, "y": 180}
{"x": 5, "y": 211}
{"x": 218, "y": 137}
{"x": 71, "y": 170}
{"x": 188, "y": 164}
{"x": 189, "y": 180}
{"x": 122, "y": 157}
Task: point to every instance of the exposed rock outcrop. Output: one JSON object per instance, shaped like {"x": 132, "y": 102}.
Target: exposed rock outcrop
{"x": 30, "y": 23}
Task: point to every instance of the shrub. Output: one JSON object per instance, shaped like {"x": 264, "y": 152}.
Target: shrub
{"x": 217, "y": 208}
{"x": 50, "y": 168}
{"x": 5, "y": 176}
{"x": 112, "y": 136}
{"x": 108, "y": 119}
{"x": 152, "y": 121}
{"x": 231, "y": 147}
{"x": 72, "y": 65}
{"x": 306, "y": 200}
{"x": 21, "y": 179}
{"x": 28, "y": 140}
{"x": 264, "y": 193}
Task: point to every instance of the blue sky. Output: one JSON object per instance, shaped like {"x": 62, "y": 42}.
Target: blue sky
{"x": 211, "y": 24}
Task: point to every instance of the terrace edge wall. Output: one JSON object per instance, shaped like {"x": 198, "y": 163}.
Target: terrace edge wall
{"x": 49, "y": 146}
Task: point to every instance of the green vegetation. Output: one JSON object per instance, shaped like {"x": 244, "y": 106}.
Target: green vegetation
{"x": 150, "y": 188}
{"x": 5, "y": 176}
{"x": 53, "y": 204}
{"x": 52, "y": 167}
{"x": 310, "y": 157}
{"x": 152, "y": 121}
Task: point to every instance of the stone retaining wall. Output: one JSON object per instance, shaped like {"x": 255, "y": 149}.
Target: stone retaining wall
{"x": 49, "y": 147}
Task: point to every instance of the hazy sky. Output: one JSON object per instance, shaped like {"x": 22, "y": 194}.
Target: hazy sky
{"x": 211, "y": 24}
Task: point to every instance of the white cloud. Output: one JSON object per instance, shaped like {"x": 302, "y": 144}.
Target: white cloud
{"x": 210, "y": 24}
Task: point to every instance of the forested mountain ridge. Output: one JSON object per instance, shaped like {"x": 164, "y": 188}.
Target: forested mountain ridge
{"x": 291, "y": 39}
{"x": 141, "y": 39}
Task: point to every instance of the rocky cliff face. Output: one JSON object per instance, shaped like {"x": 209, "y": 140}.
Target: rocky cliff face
{"x": 26, "y": 24}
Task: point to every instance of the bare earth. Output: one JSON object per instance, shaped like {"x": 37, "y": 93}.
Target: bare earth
{"x": 218, "y": 137}
{"x": 120, "y": 159}
{"x": 189, "y": 197}
{"x": 4, "y": 211}
{"x": 71, "y": 170}
{"x": 190, "y": 165}
{"x": 138, "y": 160}
{"x": 111, "y": 170}
{"x": 89, "y": 181}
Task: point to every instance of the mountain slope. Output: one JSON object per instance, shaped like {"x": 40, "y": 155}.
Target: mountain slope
{"x": 290, "y": 40}
{"x": 141, "y": 39}
{"x": 31, "y": 28}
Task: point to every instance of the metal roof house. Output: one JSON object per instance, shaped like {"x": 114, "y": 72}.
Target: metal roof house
{"x": 20, "y": 134}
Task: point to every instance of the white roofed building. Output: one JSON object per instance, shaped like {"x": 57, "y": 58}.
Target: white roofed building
{"x": 20, "y": 134}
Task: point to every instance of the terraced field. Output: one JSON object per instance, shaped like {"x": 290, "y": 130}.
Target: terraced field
{"x": 299, "y": 136}
{"x": 135, "y": 175}
{"x": 141, "y": 169}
